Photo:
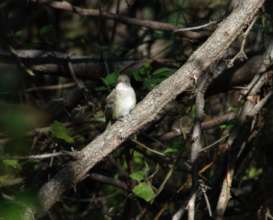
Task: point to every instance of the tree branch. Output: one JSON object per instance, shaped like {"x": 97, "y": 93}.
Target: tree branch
{"x": 155, "y": 25}
{"x": 145, "y": 112}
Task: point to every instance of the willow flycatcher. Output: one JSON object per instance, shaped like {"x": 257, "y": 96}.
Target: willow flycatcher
{"x": 121, "y": 100}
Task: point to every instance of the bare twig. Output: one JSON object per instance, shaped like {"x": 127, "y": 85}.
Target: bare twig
{"x": 235, "y": 142}
{"x": 196, "y": 27}
{"x": 257, "y": 108}
{"x": 191, "y": 207}
{"x": 66, "y": 6}
{"x": 204, "y": 188}
{"x": 197, "y": 135}
{"x": 78, "y": 82}
{"x": 241, "y": 54}
{"x": 108, "y": 180}
{"x": 148, "y": 148}
{"x": 167, "y": 177}
{"x": 41, "y": 156}
{"x": 51, "y": 87}
{"x": 211, "y": 123}
{"x": 215, "y": 143}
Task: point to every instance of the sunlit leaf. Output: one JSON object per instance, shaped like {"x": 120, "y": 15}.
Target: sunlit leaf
{"x": 58, "y": 130}
{"x": 138, "y": 158}
{"x": 138, "y": 175}
{"x": 253, "y": 173}
{"x": 144, "y": 190}
{"x": 11, "y": 163}
{"x": 110, "y": 80}
{"x": 170, "y": 151}
{"x": 140, "y": 74}
{"x": 162, "y": 72}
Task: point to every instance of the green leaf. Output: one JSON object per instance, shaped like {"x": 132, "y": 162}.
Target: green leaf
{"x": 101, "y": 88}
{"x": 22, "y": 206}
{"x": 12, "y": 163}
{"x": 138, "y": 175}
{"x": 58, "y": 130}
{"x": 174, "y": 146}
{"x": 170, "y": 151}
{"x": 253, "y": 173}
{"x": 141, "y": 73}
{"x": 159, "y": 34}
{"x": 138, "y": 158}
{"x": 162, "y": 72}
{"x": 46, "y": 29}
{"x": 111, "y": 79}
{"x": 14, "y": 122}
{"x": 226, "y": 126}
{"x": 144, "y": 190}
{"x": 156, "y": 77}
{"x": 151, "y": 83}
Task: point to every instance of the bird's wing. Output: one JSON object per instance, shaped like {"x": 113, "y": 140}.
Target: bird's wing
{"x": 111, "y": 97}
{"x": 109, "y": 105}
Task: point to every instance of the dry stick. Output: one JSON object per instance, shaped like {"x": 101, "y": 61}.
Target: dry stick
{"x": 257, "y": 64}
{"x": 248, "y": 110}
{"x": 208, "y": 124}
{"x": 241, "y": 53}
{"x": 145, "y": 112}
{"x": 196, "y": 27}
{"x": 79, "y": 83}
{"x": 197, "y": 145}
{"x": 51, "y": 87}
{"x": 204, "y": 189}
{"x": 19, "y": 62}
{"x": 155, "y": 25}
{"x": 44, "y": 56}
{"x": 214, "y": 143}
{"x": 108, "y": 180}
{"x": 40, "y": 156}
{"x": 197, "y": 137}
{"x": 158, "y": 153}
{"x": 232, "y": 145}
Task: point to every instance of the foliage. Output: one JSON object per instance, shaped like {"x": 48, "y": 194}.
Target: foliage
{"x": 59, "y": 131}
{"x": 145, "y": 191}
{"x": 57, "y": 68}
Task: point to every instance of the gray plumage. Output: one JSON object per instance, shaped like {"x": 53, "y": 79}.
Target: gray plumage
{"x": 121, "y": 100}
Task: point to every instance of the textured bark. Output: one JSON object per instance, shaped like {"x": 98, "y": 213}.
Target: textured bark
{"x": 146, "y": 111}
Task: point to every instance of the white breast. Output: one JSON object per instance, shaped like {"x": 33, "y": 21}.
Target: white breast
{"x": 125, "y": 100}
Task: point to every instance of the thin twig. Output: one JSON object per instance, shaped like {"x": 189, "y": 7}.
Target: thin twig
{"x": 204, "y": 188}
{"x": 40, "y": 156}
{"x": 108, "y": 180}
{"x": 234, "y": 144}
{"x": 167, "y": 177}
{"x": 241, "y": 53}
{"x": 155, "y": 25}
{"x": 148, "y": 148}
{"x": 51, "y": 87}
{"x": 214, "y": 143}
{"x": 196, "y": 27}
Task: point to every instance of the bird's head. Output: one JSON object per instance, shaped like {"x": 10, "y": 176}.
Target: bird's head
{"x": 124, "y": 79}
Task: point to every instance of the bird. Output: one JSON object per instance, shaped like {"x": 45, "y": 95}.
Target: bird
{"x": 121, "y": 100}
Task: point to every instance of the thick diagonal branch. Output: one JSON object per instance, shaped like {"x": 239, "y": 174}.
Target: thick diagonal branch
{"x": 146, "y": 111}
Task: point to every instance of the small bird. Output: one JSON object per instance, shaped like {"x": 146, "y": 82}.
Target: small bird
{"x": 121, "y": 100}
